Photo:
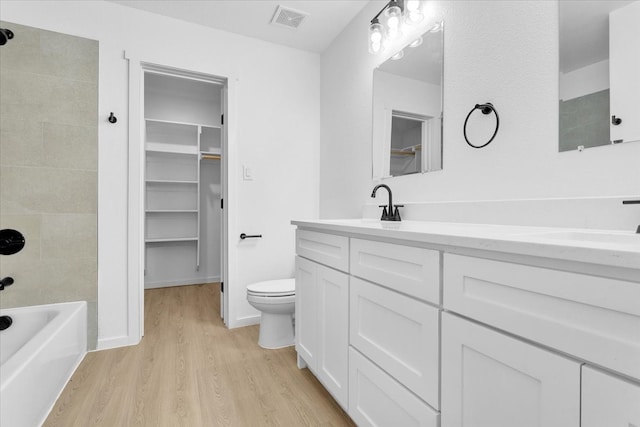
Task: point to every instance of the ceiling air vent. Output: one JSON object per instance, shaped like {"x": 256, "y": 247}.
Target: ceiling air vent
{"x": 289, "y": 18}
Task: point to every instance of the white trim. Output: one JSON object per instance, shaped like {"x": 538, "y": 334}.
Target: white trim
{"x": 115, "y": 342}
{"x": 135, "y": 218}
{"x": 181, "y": 282}
{"x": 244, "y": 321}
{"x": 135, "y": 207}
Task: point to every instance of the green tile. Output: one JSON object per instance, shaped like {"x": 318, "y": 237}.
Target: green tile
{"x": 69, "y": 236}
{"x": 28, "y": 190}
{"x": 71, "y": 147}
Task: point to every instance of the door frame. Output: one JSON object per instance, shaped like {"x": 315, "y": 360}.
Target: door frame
{"x": 136, "y": 186}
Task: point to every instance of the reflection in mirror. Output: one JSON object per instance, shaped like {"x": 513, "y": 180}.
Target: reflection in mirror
{"x": 599, "y": 68}
{"x": 407, "y": 109}
{"x": 407, "y": 137}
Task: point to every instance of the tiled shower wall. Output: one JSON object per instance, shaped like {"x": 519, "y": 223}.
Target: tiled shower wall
{"x": 48, "y": 168}
{"x": 584, "y": 121}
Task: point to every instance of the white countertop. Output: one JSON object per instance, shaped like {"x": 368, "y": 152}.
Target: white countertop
{"x": 604, "y": 247}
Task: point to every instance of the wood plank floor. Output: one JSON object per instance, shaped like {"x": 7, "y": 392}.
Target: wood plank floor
{"x": 189, "y": 370}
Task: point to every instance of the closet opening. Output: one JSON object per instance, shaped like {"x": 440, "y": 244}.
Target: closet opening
{"x": 184, "y": 178}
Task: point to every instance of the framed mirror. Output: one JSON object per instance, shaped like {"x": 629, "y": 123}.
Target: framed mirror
{"x": 407, "y": 108}
{"x": 599, "y": 67}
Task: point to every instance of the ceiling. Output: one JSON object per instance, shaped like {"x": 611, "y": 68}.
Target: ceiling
{"x": 326, "y": 18}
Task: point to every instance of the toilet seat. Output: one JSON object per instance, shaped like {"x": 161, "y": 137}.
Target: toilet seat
{"x": 273, "y": 288}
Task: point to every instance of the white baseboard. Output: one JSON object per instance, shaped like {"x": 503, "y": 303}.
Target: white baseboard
{"x": 181, "y": 282}
{"x": 244, "y": 321}
{"x": 115, "y": 342}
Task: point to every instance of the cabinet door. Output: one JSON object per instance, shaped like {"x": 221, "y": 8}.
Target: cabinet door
{"x": 333, "y": 337}
{"x": 376, "y": 399}
{"x": 609, "y": 401}
{"x": 492, "y": 380}
{"x": 306, "y": 312}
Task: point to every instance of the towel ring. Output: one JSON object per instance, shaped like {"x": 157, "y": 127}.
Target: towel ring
{"x": 485, "y": 109}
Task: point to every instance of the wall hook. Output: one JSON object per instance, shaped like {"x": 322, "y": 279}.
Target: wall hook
{"x": 112, "y": 118}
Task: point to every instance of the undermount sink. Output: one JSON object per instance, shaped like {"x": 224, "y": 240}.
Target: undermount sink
{"x": 617, "y": 238}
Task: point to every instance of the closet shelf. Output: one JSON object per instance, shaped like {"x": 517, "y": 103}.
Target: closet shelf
{"x": 172, "y": 122}
{"x": 171, "y": 239}
{"x": 214, "y": 151}
{"x": 169, "y": 181}
{"x": 172, "y": 211}
{"x": 156, "y": 147}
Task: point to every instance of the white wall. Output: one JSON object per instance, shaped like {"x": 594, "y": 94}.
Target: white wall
{"x": 277, "y": 122}
{"x": 503, "y": 52}
{"x": 583, "y": 81}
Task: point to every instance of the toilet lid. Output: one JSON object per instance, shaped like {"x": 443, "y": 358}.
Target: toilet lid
{"x": 280, "y": 287}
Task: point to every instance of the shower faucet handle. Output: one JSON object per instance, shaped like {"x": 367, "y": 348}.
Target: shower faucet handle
{"x": 7, "y": 281}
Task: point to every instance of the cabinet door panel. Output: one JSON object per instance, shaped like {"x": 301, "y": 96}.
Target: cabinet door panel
{"x": 306, "y": 312}
{"x": 333, "y": 334}
{"x": 398, "y": 333}
{"x": 376, "y": 399}
{"x": 608, "y": 401}
{"x": 492, "y": 380}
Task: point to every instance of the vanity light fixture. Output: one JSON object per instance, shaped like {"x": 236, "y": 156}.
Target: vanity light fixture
{"x": 376, "y": 37}
{"x": 393, "y": 19}
{"x": 388, "y": 23}
{"x": 413, "y": 14}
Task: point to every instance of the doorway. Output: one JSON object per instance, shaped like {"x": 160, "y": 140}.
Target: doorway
{"x": 183, "y": 181}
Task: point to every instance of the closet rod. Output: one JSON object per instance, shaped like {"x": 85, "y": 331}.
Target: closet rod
{"x": 210, "y": 157}
{"x": 402, "y": 153}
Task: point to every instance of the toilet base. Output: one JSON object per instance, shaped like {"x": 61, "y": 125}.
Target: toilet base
{"x": 276, "y": 331}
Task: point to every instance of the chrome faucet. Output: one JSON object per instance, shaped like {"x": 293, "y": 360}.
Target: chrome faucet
{"x": 632, "y": 202}
{"x": 389, "y": 213}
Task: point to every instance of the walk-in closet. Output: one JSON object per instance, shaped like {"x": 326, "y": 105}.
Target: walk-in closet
{"x": 184, "y": 134}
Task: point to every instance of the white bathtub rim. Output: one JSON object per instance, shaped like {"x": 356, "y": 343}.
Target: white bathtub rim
{"x": 66, "y": 381}
{"x": 9, "y": 369}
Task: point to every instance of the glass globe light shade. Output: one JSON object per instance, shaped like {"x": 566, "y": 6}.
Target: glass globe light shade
{"x": 393, "y": 15}
{"x": 376, "y": 38}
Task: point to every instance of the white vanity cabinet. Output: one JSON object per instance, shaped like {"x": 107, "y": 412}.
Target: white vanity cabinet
{"x": 322, "y": 309}
{"x": 491, "y": 379}
{"x": 471, "y": 328}
{"x": 392, "y": 319}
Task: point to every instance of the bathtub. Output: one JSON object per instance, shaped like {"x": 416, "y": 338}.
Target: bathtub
{"x": 38, "y": 354}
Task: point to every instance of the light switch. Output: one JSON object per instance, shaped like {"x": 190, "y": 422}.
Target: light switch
{"x": 247, "y": 173}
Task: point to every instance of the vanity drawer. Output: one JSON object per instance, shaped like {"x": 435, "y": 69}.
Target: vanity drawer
{"x": 407, "y": 269}
{"x": 596, "y": 319}
{"x": 376, "y": 399}
{"x": 398, "y": 333}
{"x": 327, "y": 249}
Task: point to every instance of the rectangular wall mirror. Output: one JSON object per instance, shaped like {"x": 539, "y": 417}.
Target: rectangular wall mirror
{"x": 599, "y": 73}
{"x": 407, "y": 108}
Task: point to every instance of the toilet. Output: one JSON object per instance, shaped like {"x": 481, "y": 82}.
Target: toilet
{"x": 276, "y": 301}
